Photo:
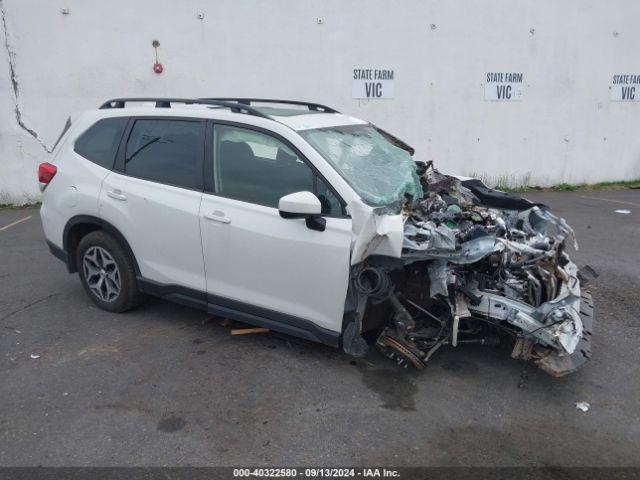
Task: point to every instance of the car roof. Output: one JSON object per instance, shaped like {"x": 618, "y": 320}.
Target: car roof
{"x": 313, "y": 120}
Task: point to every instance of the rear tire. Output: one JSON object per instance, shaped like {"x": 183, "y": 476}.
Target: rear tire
{"x": 107, "y": 273}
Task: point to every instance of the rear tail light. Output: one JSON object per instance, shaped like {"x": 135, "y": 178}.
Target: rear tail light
{"x": 46, "y": 172}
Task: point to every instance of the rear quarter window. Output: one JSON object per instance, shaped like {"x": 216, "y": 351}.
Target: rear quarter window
{"x": 99, "y": 143}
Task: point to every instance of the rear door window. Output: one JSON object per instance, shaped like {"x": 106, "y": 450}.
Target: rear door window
{"x": 166, "y": 151}
{"x": 99, "y": 143}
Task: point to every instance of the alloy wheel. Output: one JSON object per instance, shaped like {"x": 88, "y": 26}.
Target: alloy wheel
{"x": 101, "y": 274}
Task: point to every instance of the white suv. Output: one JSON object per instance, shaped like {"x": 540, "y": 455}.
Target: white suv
{"x": 292, "y": 216}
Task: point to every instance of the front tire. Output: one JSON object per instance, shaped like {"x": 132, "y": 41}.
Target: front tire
{"x": 107, "y": 273}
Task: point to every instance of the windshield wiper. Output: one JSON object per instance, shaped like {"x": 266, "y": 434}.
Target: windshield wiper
{"x": 130, "y": 157}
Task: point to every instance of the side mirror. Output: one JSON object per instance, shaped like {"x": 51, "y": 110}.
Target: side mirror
{"x": 303, "y": 205}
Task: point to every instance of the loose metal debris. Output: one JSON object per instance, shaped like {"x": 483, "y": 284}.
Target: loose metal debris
{"x": 458, "y": 263}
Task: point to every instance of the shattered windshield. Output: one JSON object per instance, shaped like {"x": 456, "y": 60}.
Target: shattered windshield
{"x": 378, "y": 171}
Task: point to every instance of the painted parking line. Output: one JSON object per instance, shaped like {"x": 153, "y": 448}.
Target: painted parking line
{"x": 15, "y": 223}
{"x": 612, "y": 201}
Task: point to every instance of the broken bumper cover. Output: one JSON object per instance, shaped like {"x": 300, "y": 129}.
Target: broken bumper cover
{"x": 559, "y": 364}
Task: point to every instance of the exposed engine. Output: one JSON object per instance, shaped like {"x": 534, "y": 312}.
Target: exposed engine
{"x": 477, "y": 266}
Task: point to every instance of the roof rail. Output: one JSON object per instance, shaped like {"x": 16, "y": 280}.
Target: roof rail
{"x": 235, "y": 107}
{"x": 316, "y": 107}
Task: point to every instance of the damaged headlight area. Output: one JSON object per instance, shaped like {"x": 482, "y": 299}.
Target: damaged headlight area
{"x": 469, "y": 265}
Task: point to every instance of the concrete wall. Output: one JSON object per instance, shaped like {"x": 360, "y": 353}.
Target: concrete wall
{"x": 565, "y": 128}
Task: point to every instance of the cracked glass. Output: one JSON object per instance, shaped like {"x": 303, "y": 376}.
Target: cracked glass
{"x": 377, "y": 170}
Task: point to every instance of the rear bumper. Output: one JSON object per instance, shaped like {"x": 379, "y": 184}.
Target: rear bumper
{"x": 558, "y": 365}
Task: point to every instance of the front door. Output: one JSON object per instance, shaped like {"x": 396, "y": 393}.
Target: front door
{"x": 257, "y": 260}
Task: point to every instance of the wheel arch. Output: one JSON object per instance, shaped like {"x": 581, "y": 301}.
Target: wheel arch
{"x": 79, "y": 226}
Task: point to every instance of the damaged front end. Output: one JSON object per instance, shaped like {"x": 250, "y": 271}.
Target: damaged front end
{"x": 465, "y": 264}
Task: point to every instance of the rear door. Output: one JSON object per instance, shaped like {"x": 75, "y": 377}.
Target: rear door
{"x": 153, "y": 198}
{"x": 256, "y": 260}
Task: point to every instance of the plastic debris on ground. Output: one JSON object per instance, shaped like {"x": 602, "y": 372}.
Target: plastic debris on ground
{"x": 34, "y": 356}
{"x": 583, "y": 406}
{"x": 623, "y": 211}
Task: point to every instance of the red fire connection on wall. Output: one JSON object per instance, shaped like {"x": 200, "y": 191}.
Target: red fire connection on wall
{"x": 157, "y": 67}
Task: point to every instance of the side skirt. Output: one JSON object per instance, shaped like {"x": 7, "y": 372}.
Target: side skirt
{"x": 243, "y": 312}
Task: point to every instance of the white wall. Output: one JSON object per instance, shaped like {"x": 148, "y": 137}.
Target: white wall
{"x": 565, "y": 129}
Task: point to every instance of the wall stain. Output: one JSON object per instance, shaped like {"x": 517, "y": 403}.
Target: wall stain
{"x": 14, "y": 81}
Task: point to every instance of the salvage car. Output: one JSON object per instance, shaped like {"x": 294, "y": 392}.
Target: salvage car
{"x": 292, "y": 216}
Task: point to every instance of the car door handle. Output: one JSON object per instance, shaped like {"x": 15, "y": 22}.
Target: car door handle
{"x": 217, "y": 217}
{"x": 117, "y": 194}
